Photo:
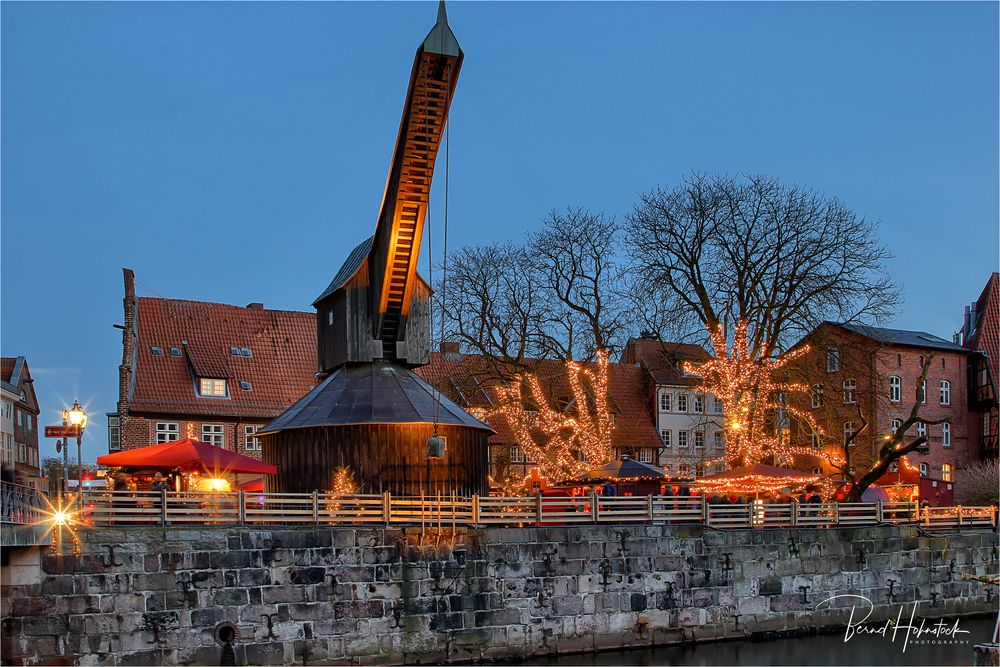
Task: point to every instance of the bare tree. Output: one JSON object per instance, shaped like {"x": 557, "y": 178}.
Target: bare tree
{"x": 780, "y": 258}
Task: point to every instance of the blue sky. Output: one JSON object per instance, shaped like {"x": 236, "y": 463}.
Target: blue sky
{"x": 235, "y": 152}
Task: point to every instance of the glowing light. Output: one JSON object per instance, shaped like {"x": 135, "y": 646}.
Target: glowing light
{"x": 76, "y": 415}
{"x": 213, "y": 484}
{"x": 60, "y": 518}
{"x": 343, "y": 482}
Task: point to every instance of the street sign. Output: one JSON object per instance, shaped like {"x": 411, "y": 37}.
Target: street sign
{"x": 62, "y": 431}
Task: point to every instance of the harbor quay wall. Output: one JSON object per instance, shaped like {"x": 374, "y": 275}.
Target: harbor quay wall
{"x": 312, "y": 595}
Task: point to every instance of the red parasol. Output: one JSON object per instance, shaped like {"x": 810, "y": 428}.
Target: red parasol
{"x": 187, "y": 454}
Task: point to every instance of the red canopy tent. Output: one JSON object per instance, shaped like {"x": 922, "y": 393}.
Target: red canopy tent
{"x": 189, "y": 455}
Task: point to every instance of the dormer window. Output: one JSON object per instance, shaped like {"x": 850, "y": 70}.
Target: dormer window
{"x": 245, "y": 351}
{"x": 235, "y": 351}
{"x": 175, "y": 352}
{"x": 245, "y": 385}
{"x": 157, "y": 351}
{"x": 215, "y": 387}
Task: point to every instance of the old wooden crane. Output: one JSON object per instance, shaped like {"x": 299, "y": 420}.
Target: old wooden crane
{"x": 372, "y": 413}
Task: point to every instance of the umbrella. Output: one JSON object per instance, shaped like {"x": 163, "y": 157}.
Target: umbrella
{"x": 626, "y": 468}
{"x": 187, "y": 454}
{"x": 874, "y": 494}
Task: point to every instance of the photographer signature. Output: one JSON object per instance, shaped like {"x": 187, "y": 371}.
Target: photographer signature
{"x": 911, "y": 630}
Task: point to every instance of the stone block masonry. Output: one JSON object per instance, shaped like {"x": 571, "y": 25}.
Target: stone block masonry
{"x": 151, "y": 596}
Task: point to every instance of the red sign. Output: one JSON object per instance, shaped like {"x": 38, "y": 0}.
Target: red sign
{"x": 62, "y": 431}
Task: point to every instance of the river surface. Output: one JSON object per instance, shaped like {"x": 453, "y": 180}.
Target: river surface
{"x": 830, "y": 649}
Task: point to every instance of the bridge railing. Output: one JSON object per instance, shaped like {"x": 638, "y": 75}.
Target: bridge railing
{"x": 20, "y": 504}
{"x": 104, "y": 508}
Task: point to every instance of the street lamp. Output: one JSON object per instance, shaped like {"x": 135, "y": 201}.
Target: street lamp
{"x": 75, "y": 416}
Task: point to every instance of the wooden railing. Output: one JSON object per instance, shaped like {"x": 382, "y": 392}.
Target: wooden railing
{"x": 20, "y": 504}
{"x": 104, "y": 508}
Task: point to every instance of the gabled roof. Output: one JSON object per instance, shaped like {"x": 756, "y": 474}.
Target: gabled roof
{"x": 985, "y": 335}
{"x": 281, "y": 365}
{"x": 664, "y": 360}
{"x": 15, "y": 377}
{"x": 900, "y": 337}
{"x": 469, "y": 380}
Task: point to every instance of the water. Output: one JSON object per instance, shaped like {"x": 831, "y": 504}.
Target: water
{"x": 828, "y": 649}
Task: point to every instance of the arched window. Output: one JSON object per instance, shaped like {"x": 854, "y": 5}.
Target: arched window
{"x": 817, "y": 470}
{"x": 895, "y": 388}
{"x": 945, "y": 392}
{"x": 946, "y": 434}
{"x": 923, "y": 470}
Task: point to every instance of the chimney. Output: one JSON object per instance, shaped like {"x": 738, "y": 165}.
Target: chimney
{"x": 255, "y": 306}
{"x": 449, "y": 347}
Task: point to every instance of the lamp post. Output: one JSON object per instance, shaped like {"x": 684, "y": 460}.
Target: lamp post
{"x": 75, "y": 416}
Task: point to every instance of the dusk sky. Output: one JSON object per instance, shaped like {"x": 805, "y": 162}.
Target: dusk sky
{"x": 235, "y": 152}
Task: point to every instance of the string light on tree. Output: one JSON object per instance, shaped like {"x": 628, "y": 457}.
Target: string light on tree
{"x": 754, "y": 396}
{"x": 561, "y": 444}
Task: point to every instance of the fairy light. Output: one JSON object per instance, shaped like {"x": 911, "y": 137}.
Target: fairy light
{"x": 750, "y": 391}
{"x": 343, "y": 482}
{"x": 754, "y": 483}
{"x": 562, "y": 445}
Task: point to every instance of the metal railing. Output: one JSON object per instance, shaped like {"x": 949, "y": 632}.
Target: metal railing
{"x": 104, "y": 508}
{"x": 20, "y": 504}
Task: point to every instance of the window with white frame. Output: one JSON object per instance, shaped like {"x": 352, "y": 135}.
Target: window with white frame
{"x": 214, "y": 434}
{"x": 832, "y": 360}
{"x": 719, "y": 443}
{"x": 922, "y": 391}
{"x": 664, "y": 401}
{"x": 895, "y": 388}
{"x": 252, "y": 442}
{"x": 895, "y": 426}
{"x": 923, "y": 470}
{"x": 699, "y": 404}
{"x": 516, "y": 456}
{"x": 665, "y": 437}
{"x": 114, "y": 434}
{"x": 947, "y": 472}
{"x": 717, "y": 405}
{"x": 850, "y": 392}
{"x": 946, "y": 434}
{"x": 945, "y": 392}
{"x": 921, "y": 429}
{"x": 699, "y": 439}
{"x": 682, "y": 402}
{"x": 817, "y": 470}
{"x": 682, "y": 439}
{"x": 7, "y": 407}
{"x": 167, "y": 432}
{"x": 817, "y": 396}
{"x": 646, "y": 455}
{"x": 18, "y": 416}
{"x": 683, "y": 469}
{"x": 848, "y": 433}
{"x": 213, "y": 387}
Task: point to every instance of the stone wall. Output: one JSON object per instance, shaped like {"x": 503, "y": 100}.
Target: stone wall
{"x": 158, "y": 595}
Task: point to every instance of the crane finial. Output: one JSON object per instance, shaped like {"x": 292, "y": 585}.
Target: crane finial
{"x": 442, "y": 13}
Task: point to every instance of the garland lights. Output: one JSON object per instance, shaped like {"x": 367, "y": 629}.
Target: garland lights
{"x": 563, "y": 445}
{"x": 752, "y": 397}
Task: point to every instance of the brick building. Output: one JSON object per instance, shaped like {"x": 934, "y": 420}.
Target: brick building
{"x": 981, "y": 335}
{"x": 869, "y": 373}
{"x": 469, "y": 379}
{"x": 19, "y": 421}
{"x": 690, "y": 424}
{"x": 210, "y": 371}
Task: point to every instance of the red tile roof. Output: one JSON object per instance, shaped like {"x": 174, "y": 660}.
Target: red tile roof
{"x": 7, "y": 368}
{"x": 281, "y": 367}
{"x": 663, "y": 361}
{"x": 986, "y": 335}
{"x": 468, "y": 380}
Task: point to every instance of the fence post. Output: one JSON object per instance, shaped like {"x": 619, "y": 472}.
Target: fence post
{"x": 649, "y": 500}
{"x": 475, "y": 510}
{"x": 836, "y": 514}
{"x": 243, "y": 507}
{"x": 958, "y": 511}
{"x": 795, "y": 512}
{"x": 163, "y": 507}
{"x": 538, "y": 508}
{"x": 705, "y": 515}
{"x": 878, "y": 511}
{"x": 316, "y": 507}
{"x": 594, "y": 509}
{"x": 927, "y": 516}
{"x": 386, "y": 507}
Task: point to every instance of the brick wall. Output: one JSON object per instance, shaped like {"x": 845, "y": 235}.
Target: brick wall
{"x": 140, "y": 431}
{"x": 158, "y": 595}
